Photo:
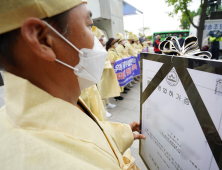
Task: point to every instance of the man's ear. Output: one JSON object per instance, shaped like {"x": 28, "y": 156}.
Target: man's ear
{"x": 36, "y": 34}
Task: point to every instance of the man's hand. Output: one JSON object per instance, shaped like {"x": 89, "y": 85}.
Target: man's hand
{"x": 112, "y": 61}
{"x": 135, "y": 126}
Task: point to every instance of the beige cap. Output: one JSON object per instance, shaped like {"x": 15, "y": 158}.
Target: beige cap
{"x": 96, "y": 31}
{"x": 135, "y": 37}
{"x": 131, "y": 36}
{"x": 120, "y": 36}
{"x": 14, "y": 12}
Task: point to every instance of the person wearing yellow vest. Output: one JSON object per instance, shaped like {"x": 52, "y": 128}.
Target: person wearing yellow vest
{"x": 93, "y": 100}
{"x": 141, "y": 40}
{"x": 140, "y": 45}
{"x": 130, "y": 49}
{"x": 132, "y": 52}
{"x": 121, "y": 49}
{"x": 44, "y": 124}
{"x": 145, "y": 43}
{"x": 109, "y": 85}
{"x": 91, "y": 96}
{"x": 135, "y": 44}
{"x": 114, "y": 56}
{"x": 139, "y": 50}
{"x": 215, "y": 47}
{"x": 98, "y": 33}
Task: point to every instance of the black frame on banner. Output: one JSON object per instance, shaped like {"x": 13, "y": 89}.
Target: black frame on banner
{"x": 181, "y": 64}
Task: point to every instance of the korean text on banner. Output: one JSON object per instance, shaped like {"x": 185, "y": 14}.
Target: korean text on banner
{"x": 126, "y": 69}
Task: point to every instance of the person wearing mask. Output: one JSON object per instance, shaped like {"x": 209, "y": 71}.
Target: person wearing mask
{"x": 114, "y": 56}
{"x": 132, "y": 52}
{"x": 139, "y": 50}
{"x": 44, "y": 124}
{"x": 121, "y": 46}
{"x": 155, "y": 38}
{"x": 140, "y": 45}
{"x": 109, "y": 85}
{"x": 142, "y": 37}
{"x": 92, "y": 97}
{"x": 136, "y": 44}
{"x": 215, "y": 46}
{"x": 181, "y": 39}
{"x": 145, "y": 43}
{"x": 129, "y": 46}
{"x": 156, "y": 45}
{"x": 98, "y": 33}
{"x": 121, "y": 49}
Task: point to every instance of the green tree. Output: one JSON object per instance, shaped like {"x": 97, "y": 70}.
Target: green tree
{"x": 149, "y": 37}
{"x": 126, "y": 33}
{"x": 181, "y": 6}
{"x": 146, "y": 29}
{"x": 184, "y": 21}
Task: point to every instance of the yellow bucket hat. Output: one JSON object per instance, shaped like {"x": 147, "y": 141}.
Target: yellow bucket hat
{"x": 97, "y": 32}
{"x": 131, "y": 36}
{"x": 135, "y": 37}
{"x": 141, "y": 35}
{"x": 120, "y": 36}
{"x": 14, "y": 12}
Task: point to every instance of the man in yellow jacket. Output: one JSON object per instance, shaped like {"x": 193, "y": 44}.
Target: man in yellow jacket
{"x": 130, "y": 49}
{"x": 44, "y": 125}
{"x": 108, "y": 87}
{"x": 98, "y": 33}
{"x": 120, "y": 48}
{"x": 136, "y": 44}
{"x": 132, "y": 52}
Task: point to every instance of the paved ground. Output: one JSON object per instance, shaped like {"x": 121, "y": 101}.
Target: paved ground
{"x": 128, "y": 111}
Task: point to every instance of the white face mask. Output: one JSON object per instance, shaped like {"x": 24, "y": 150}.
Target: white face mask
{"x": 116, "y": 45}
{"x": 104, "y": 40}
{"x": 91, "y": 62}
{"x": 124, "y": 42}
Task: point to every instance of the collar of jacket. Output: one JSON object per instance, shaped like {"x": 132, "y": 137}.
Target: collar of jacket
{"x": 114, "y": 50}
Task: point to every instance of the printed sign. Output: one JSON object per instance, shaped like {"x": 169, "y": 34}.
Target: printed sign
{"x": 181, "y": 113}
{"x": 126, "y": 69}
{"x": 212, "y": 25}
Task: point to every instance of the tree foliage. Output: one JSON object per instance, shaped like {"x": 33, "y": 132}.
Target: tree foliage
{"x": 146, "y": 29}
{"x": 149, "y": 37}
{"x": 184, "y": 21}
{"x": 182, "y": 6}
{"x": 126, "y": 33}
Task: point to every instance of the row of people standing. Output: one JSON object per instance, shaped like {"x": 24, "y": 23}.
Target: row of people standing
{"x": 97, "y": 96}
